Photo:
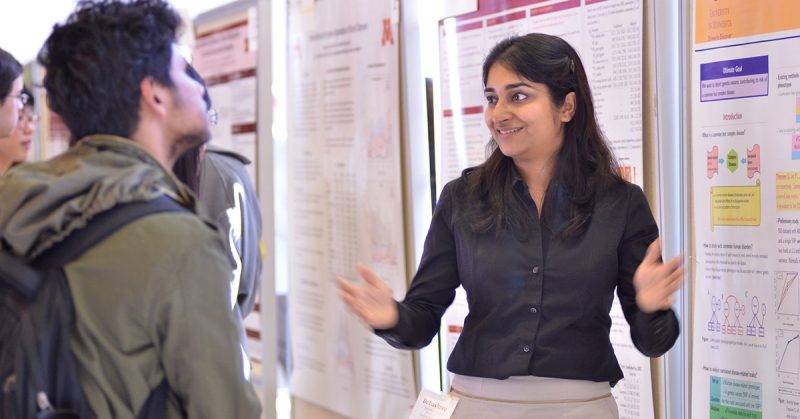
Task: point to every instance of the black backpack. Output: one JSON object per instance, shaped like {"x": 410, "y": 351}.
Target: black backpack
{"x": 38, "y": 373}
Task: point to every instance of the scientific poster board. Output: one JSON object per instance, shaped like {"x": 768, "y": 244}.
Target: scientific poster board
{"x": 224, "y": 54}
{"x": 345, "y": 202}
{"x": 745, "y": 146}
{"x": 608, "y": 36}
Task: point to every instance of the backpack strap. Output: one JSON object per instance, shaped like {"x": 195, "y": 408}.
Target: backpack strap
{"x": 26, "y": 279}
{"x": 99, "y": 228}
{"x": 155, "y": 407}
{"x": 18, "y": 275}
{"x": 102, "y": 226}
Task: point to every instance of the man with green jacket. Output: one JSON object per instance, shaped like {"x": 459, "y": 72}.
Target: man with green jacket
{"x": 152, "y": 300}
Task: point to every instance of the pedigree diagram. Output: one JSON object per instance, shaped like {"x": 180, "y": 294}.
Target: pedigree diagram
{"x": 734, "y": 160}
{"x": 729, "y": 316}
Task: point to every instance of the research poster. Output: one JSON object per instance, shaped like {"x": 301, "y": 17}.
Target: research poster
{"x": 224, "y": 54}
{"x": 608, "y": 37}
{"x": 345, "y": 202}
{"x": 745, "y": 147}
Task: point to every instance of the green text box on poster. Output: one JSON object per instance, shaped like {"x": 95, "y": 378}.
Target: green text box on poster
{"x": 735, "y": 399}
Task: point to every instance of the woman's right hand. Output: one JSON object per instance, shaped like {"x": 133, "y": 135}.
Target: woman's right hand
{"x": 371, "y": 301}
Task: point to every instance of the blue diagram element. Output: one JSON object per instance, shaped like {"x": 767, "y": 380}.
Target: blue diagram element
{"x": 716, "y": 304}
{"x": 756, "y": 325}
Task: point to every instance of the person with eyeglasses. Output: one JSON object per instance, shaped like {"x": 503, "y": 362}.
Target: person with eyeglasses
{"x": 153, "y": 333}
{"x": 15, "y": 147}
{"x": 12, "y": 99}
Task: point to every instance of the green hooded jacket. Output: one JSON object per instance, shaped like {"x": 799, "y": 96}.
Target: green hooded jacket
{"x": 152, "y": 300}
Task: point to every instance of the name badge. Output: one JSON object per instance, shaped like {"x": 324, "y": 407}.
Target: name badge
{"x": 433, "y": 405}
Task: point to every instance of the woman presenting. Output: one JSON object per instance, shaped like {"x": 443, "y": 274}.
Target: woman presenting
{"x": 539, "y": 235}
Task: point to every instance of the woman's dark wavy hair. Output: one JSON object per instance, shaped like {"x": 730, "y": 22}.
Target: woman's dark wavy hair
{"x": 10, "y": 69}
{"x": 584, "y": 165}
{"x": 96, "y": 61}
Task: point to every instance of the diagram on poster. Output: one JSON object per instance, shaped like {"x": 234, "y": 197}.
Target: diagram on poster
{"x": 744, "y": 140}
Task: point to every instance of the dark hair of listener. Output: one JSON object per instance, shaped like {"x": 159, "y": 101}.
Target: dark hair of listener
{"x": 585, "y": 164}
{"x": 188, "y": 168}
{"x": 96, "y": 61}
{"x": 10, "y": 69}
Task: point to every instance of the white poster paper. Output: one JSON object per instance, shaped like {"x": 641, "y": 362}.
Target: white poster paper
{"x": 224, "y": 55}
{"x": 745, "y": 140}
{"x": 345, "y": 203}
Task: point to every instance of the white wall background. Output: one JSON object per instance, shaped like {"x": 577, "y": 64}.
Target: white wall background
{"x": 25, "y": 24}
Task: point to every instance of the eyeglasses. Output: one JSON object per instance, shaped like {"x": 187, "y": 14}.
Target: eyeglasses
{"x": 28, "y": 116}
{"x": 22, "y": 99}
{"x": 213, "y": 117}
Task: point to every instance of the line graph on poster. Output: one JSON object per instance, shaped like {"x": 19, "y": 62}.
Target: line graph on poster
{"x": 787, "y": 293}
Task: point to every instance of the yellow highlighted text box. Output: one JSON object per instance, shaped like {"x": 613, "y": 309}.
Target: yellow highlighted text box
{"x": 787, "y": 191}
{"x": 736, "y": 205}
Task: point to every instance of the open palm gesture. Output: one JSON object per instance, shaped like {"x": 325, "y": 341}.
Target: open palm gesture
{"x": 655, "y": 281}
{"x": 371, "y": 301}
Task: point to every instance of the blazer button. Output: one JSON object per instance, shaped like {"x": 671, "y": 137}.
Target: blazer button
{"x": 535, "y": 269}
{"x": 534, "y": 310}
{"x": 526, "y": 349}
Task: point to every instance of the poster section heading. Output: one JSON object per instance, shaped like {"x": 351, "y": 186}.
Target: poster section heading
{"x": 734, "y": 79}
{"x": 225, "y": 54}
{"x": 490, "y": 7}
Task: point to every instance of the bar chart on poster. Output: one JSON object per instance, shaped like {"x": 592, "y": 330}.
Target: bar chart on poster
{"x": 745, "y": 140}
{"x": 608, "y": 37}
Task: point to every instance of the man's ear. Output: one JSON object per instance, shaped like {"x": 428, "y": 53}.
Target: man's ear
{"x": 153, "y": 96}
{"x": 568, "y": 108}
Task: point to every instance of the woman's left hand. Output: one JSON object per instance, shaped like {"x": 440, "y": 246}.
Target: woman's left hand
{"x": 655, "y": 281}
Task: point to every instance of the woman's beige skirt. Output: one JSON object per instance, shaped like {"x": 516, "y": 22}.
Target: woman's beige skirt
{"x": 532, "y": 397}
